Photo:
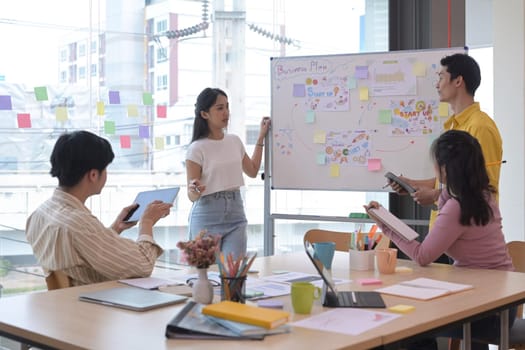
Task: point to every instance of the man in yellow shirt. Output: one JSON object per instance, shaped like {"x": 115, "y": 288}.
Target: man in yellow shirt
{"x": 458, "y": 80}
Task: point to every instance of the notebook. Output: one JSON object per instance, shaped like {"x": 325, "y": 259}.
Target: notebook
{"x": 424, "y": 288}
{"x": 135, "y": 299}
{"x": 257, "y": 316}
{"x": 166, "y": 195}
{"x": 335, "y": 298}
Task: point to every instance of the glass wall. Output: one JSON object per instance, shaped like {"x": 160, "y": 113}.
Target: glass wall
{"x": 129, "y": 71}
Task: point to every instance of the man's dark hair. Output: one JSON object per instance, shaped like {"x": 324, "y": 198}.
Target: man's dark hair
{"x": 461, "y": 64}
{"x": 77, "y": 153}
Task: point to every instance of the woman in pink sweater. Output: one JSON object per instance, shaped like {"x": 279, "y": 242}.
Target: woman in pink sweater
{"x": 468, "y": 227}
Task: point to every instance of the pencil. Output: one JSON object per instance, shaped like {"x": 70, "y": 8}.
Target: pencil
{"x": 496, "y": 163}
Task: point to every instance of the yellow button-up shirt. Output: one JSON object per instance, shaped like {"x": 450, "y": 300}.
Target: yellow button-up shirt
{"x": 483, "y": 128}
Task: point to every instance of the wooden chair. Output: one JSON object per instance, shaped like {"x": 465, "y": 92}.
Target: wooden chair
{"x": 517, "y": 332}
{"x": 57, "y": 280}
{"x": 341, "y": 239}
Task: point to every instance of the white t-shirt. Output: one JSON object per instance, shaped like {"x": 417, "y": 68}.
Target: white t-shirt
{"x": 221, "y": 162}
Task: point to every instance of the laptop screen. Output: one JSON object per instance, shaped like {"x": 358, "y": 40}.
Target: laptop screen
{"x": 309, "y": 249}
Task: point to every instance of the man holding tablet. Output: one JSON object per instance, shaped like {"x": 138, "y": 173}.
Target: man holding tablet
{"x": 66, "y": 236}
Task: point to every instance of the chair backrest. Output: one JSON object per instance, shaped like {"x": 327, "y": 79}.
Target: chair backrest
{"x": 57, "y": 280}
{"x": 341, "y": 239}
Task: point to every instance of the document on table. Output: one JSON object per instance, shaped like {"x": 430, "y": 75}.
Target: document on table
{"x": 150, "y": 282}
{"x": 346, "y": 320}
{"x": 290, "y": 277}
{"x": 424, "y": 288}
{"x": 266, "y": 288}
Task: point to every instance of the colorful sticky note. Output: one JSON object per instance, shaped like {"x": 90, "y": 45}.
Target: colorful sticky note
{"x": 144, "y": 131}
{"x": 109, "y": 127}
{"x": 41, "y": 93}
{"x": 133, "y": 111}
{"x": 419, "y": 69}
{"x": 351, "y": 83}
{"x": 361, "y": 72}
{"x": 385, "y": 116}
{"x": 321, "y": 158}
{"x": 101, "y": 110}
{"x": 114, "y": 97}
{"x": 363, "y": 93}
{"x": 162, "y": 111}
{"x": 299, "y": 90}
{"x": 320, "y": 136}
{"x": 310, "y": 117}
{"x": 374, "y": 164}
{"x": 402, "y": 309}
{"x": 24, "y": 120}
{"x": 443, "y": 109}
{"x": 125, "y": 141}
{"x": 334, "y": 170}
{"x": 147, "y": 99}
{"x": 5, "y": 103}
{"x": 159, "y": 143}
{"x": 61, "y": 114}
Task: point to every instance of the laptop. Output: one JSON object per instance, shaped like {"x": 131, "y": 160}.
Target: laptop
{"x": 131, "y": 298}
{"x": 167, "y": 195}
{"x": 335, "y": 298}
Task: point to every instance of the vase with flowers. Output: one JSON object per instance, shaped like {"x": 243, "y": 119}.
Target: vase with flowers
{"x": 200, "y": 253}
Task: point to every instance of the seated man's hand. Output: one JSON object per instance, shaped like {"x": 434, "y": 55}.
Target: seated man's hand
{"x": 119, "y": 225}
{"x": 156, "y": 210}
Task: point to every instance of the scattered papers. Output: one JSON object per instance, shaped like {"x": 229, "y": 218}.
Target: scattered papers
{"x": 424, "y": 288}
{"x": 346, "y": 320}
{"x": 290, "y": 277}
{"x": 150, "y": 282}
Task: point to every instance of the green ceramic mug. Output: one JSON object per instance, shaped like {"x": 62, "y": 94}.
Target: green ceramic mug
{"x": 303, "y": 296}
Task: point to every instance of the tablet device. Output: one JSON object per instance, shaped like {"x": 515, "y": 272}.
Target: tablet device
{"x": 131, "y": 298}
{"x": 167, "y": 195}
{"x": 391, "y": 177}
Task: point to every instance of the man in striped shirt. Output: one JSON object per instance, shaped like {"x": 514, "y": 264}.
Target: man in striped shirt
{"x": 66, "y": 236}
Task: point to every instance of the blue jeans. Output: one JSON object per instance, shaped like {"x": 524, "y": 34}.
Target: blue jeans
{"x": 221, "y": 213}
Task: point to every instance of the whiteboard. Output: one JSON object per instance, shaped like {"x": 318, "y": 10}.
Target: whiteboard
{"x": 340, "y": 122}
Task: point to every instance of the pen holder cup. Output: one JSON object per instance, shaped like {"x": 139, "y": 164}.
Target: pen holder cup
{"x": 233, "y": 289}
{"x": 362, "y": 260}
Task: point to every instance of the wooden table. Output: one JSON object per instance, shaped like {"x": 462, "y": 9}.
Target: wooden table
{"x": 57, "y": 319}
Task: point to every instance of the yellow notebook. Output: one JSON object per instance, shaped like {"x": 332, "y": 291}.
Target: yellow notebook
{"x": 258, "y": 316}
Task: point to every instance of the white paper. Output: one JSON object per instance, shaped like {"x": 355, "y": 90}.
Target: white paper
{"x": 423, "y": 288}
{"x": 352, "y": 321}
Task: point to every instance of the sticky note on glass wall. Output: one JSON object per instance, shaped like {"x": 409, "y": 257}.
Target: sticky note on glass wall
{"x": 125, "y": 141}
{"x": 133, "y": 111}
{"x": 144, "y": 131}
{"x": 109, "y": 127}
{"x": 363, "y": 93}
{"x": 310, "y": 117}
{"x": 41, "y": 93}
{"x": 101, "y": 110}
{"x": 114, "y": 97}
{"x": 162, "y": 111}
{"x": 159, "y": 143}
{"x": 374, "y": 164}
{"x": 5, "y": 103}
{"x": 385, "y": 116}
{"x": 61, "y": 114}
{"x": 419, "y": 69}
{"x": 320, "y": 136}
{"x": 24, "y": 120}
{"x": 334, "y": 170}
{"x": 361, "y": 72}
{"x": 299, "y": 90}
{"x": 147, "y": 99}
{"x": 443, "y": 109}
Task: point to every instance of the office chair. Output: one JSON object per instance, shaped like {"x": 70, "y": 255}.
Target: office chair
{"x": 57, "y": 280}
{"x": 517, "y": 332}
{"x": 341, "y": 239}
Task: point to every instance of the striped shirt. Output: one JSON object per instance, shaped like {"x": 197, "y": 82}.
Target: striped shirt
{"x": 65, "y": 236}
